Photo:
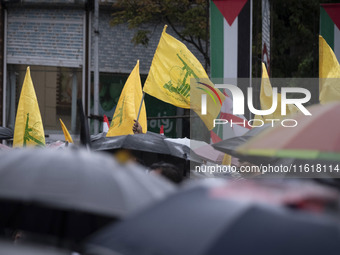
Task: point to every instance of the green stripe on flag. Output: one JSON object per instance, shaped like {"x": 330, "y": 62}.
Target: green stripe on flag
{"x": 257, "y": 152}
{"x": 326, "y": 27}
{"x": 308, "y": 154}
{"x": 301, "y": 154}
{"x": 335, "y": 156}
{"x": 216, "y": 42}
{"x": 298, "y": 154}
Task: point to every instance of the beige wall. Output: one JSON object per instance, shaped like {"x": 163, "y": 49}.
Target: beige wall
{"x": 45, "y": 85}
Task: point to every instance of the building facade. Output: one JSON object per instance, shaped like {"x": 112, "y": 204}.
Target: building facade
{"x": 56, "y": 39}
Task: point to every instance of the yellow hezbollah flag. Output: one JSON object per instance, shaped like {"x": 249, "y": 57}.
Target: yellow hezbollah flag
{"x": 226, "y": 160}
{"x": 128, "y": 107}
{"x": 176, "y": 77}
{"x": 258, "y": 120}
{"x": 28, "y": 130}
{"x": 266, "y": 99}
{"x": 329, "y": 73}
{"x": 67, "y": 135}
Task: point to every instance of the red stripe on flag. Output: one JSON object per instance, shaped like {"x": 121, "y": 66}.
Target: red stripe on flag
{"x": 230, "y": 9}
{"x": 214, "y": 137}
{"x": 106, "y": 120}
{"x": 333, "y": 12}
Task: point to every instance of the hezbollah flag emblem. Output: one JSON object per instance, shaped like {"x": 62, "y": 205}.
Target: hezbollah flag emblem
{"x": 28, "y": 130}
{"x": 176, "y": 77}
{"x": 128, "y": 105}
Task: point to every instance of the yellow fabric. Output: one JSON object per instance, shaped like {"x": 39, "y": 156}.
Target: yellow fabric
{"x": 170, "y": 79}
{"x": 329, "y": 72}
{"x": 266, "y": 99}
{"x": 257, "y": 120}
{"x": 226, "y": 160}
{"x": 28, "y": 130}
{"x": 67, "y": 135}
{"x": 128, "y": 106}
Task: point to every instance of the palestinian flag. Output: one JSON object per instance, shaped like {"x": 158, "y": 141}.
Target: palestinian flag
{"x": 229, "y": 38}
{"x": 330, "y": 25}
{"x": 230, "y": 56}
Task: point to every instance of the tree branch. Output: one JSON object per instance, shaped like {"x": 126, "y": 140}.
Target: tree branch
{"x": 191, "y": 41}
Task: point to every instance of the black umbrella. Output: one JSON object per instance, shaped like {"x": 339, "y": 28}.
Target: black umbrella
{"x": 29, "y": 249}
{"x": 204, "y": 220}
{"x": 229, "y": 145}
{"x": 144, "y": 145}
{"x": 6, "y": 133}
{"x": 70, "y": 193}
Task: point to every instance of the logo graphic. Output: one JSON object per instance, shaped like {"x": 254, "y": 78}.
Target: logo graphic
{"x": 28, "y": 136}
{"x": 238, "y": 104}
{"x": 208, "y": 92}
{"x": 238, "y": 100}
{"x": 183, "y": 87}
{"x": 119, "y": 115}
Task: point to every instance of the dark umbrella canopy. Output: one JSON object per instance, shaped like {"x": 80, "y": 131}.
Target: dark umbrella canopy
{"x": 6, "y": 133}
{"x": 71, "y": 193}
{"x": 229, "y": 145}
{"x": 204, "y": 221}
{"x": 7, "y": 248}
{"x": 148, "y": 142}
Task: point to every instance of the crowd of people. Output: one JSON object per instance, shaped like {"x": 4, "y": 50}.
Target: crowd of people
{"x": 311, "y": 195}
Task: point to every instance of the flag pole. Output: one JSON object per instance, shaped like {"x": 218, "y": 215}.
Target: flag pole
{"x": 140, "y": 106}
{"x": 251, "y": 49}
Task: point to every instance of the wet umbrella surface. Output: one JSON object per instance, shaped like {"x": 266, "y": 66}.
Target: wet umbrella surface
{"x": 26, "y": 249}
{"x": 6, "y": 133}
{"x": 148, "y": 142}
{"x": 203, "y": 220}
{"x": 70, "y": 193}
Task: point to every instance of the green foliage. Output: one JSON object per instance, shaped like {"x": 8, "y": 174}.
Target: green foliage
{"x": 188, "y": 18}
{"x": 295, "y": 48}
{"x": 141, "y": 37}
{"x": 293, "y": 38}
{"x": 295, "y": 27}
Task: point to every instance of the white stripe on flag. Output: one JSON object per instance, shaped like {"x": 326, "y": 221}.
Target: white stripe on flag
{"x": 230, "y": 49}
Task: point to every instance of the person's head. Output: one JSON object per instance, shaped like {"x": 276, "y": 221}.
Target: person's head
{"x": 169, "y": 171}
